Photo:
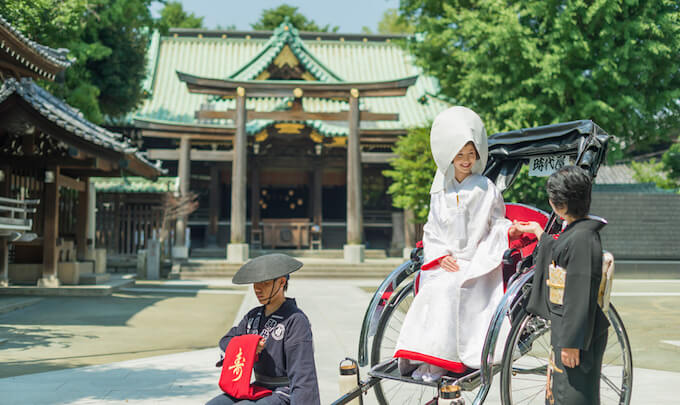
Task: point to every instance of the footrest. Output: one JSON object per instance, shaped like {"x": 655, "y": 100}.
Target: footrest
{"x": 390, "y": 369}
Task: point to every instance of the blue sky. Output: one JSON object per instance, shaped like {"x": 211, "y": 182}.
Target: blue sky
{"x": 349, "y": 15}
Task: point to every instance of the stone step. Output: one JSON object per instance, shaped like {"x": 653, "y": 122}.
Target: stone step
{"x": 197, "y": 275}
{"x": 321, "y": 254}
{"x": 94, "y": 278}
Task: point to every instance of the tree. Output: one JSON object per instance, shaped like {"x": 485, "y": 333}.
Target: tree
{"x": 174, "y": 16}
{"x": 535, "y": 62}
{"x": 393, "y": 23}
{"x": 107, "y": 39}
{"x": 273, "y": 17}
{"x": 412, "y": 173}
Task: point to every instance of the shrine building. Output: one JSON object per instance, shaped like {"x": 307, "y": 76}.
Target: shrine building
{"x": 283, "y": 135}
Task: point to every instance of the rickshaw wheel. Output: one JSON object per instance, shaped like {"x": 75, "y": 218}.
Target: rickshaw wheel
{"x": 525, "y": 362}
{"x": 390, "y": 392}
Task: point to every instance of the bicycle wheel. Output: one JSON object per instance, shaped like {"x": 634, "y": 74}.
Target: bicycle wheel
{"x": 525, "y": 362}
{"x": 391, "y": 392}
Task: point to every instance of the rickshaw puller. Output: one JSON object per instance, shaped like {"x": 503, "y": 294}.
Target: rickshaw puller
{"x": 286, "y": 354}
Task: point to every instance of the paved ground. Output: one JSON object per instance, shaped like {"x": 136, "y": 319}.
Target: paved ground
{"x": 335, "y": 308}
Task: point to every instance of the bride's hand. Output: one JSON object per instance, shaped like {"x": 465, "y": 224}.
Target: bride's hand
{"x": 448, "y": 263}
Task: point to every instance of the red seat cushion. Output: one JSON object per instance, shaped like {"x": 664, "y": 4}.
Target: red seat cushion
{"x": 527, "y": 242}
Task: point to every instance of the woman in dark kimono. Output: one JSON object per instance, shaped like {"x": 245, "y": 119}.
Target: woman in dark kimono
{"x": 565, "y": 291}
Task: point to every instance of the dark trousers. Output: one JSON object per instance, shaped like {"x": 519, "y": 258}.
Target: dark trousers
{"x": 579, "y": 385}
{"x": 274, "y": 399}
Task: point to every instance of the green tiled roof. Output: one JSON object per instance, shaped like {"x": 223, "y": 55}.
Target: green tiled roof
{"x": 244, "y": 57}
{"x": 285, "y": 34}
{"x": 135, "y": 184}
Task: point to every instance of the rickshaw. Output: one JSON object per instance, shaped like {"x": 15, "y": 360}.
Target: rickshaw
{"x": 524, "y": 362}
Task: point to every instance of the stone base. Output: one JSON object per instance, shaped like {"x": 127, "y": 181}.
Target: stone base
{"x": 180, "y": 252}
{"x": 50, "y": 281}
{"x": 4, "y": 282}
{"x": 69, "y": 272}
{"x": 354, "y": 254}
{"x": 237, "y": 253}
{"x": 100, "y": 261}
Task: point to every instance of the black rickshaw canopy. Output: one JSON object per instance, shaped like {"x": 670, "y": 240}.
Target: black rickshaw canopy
{"x": 584, "y": 141}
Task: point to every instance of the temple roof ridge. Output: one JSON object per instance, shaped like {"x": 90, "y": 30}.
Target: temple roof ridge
{"x": 56, "y": 57}
{"x": 285, "y": 34}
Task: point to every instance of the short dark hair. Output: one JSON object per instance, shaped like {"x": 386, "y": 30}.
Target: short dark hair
{"x": 570, "y": 187}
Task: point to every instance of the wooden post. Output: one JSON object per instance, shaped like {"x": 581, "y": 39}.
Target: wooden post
{"x": 51, "y": 230}
{"x": 255, "y": 198}
{"x": 317, "y": 196}
{"x": 238, "y": 173}
{"x": 214, "y": 207}
{"x": 354, "y": 210}
{"x": 237, "y": 250}
{"x": 83, "y": 220}
{"x": 184, "y": 172}
{"x": 4, "y": 248}
{"x": 354, "y": 250}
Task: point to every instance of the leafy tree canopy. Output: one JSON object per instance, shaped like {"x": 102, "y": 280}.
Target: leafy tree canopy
{"x": 391, "y": 23}
{"x": 273, "y": 17}
{"x": 535, "y": 62}
{"x": 108, "y": 40}
{"x": 174, "y": 16}
{"x": 412, "y": 173}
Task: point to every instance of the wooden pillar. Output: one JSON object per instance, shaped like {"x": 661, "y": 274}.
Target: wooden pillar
{"x": 184, "y": 174}
{"x": 4, "y": 248}
{"x": 50, "y": 230}
{"x": 214, "y": 205}
{"x": 83, "y": 220}
{"x": 255, "y": 197}
{"x": 317, "y": 196}
{"x": 238, "y": 173}
{"x": 354, "y": 210}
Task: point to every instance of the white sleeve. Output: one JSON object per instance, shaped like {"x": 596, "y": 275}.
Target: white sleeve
{"x": 434, "y": 237}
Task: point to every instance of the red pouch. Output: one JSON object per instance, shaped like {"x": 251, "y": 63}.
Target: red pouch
{"x": 237, "y": 369}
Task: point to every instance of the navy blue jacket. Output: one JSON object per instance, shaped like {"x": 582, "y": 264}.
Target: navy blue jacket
{"x": 288, "y": 351}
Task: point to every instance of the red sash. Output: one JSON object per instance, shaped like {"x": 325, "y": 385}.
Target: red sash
{"x": 239, "y": 359}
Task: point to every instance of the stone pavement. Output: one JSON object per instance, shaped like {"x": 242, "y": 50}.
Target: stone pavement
{"x": 335, "y": 308}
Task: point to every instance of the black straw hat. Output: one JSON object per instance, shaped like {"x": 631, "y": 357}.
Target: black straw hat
{"x": 267, "y": 267}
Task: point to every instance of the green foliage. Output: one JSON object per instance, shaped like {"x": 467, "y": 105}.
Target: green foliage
{"x": 174, "y": 16}
{"x": 393, "y": 23}
{"x": 107, "y": 38}
{"x": 535, "y": 62}
{"x": 528, "y": 190}
{"x": 273, "y": 17}
{"x": 412, "y": 173}
{"x": 653, "y": 172}
{"x": 671, "y": 162}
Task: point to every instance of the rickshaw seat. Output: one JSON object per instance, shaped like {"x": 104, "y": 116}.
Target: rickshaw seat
{"x": 517, "y": 248}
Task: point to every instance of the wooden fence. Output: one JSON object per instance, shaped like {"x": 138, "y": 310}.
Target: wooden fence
{"x": 125, "y": 222}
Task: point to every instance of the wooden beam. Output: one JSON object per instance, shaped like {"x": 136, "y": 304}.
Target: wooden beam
{"x": 196, "y": 155}
{"x": 377, "y": 157}
{"x": 295, "y": 88}
{"x": 296, "y": 115}
{"x": 71, "y": 183}
{"x": 147, "y": 133}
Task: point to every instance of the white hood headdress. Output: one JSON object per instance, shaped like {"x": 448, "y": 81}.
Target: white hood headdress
{"x": 451, "y": 130}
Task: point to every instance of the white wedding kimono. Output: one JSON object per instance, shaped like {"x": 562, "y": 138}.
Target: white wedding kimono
{"x": 447, "y": 322}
